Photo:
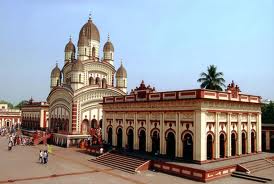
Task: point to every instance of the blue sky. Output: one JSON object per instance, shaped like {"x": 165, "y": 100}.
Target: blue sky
{"x": 165, "y": 43}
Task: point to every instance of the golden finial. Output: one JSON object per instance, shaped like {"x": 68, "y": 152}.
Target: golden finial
{"x": 89, "y": 16}
{"x": 108, "y": 36}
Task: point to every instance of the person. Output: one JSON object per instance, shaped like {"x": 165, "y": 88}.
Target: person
{"x": 9, "y": 145}
{"x": 45, "y": 156}
{"x": 41, "y": 156}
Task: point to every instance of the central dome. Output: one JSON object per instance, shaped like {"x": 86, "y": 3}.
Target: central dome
{"x": 90, "y": 31}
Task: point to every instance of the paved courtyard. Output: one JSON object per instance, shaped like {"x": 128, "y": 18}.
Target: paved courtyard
{"x": 71, "y": 166}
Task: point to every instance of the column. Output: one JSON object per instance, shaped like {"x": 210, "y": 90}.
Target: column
{"x": 124, "y": 139}
{"x": 216, "y": 153}
{"x": 148, "y": 138}
{"x": 180, "y": 148}
{"x": 114, "y": 133}
{"x": 239, "y": 136}
{"x": 249, "y": 133}
{"x": 162, "y": 135}
{"x": 104, "y": 127}
{"x": 200, "y": 136}
{"x": 259, "y": 133}
{"x": 135, "y": 136}
{"x": 177, "y": 135}
{"x": 267, "y": 140}
{"x": 228, "y": 137}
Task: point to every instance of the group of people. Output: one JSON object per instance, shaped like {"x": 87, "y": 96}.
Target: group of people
{"x": 43, "y": 157}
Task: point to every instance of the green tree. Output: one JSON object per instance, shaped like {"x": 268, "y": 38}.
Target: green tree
{"x": 268, "y": 113}
{"x": 20, "y": 104}
{"x": 212, "y": 79}
{"x": 10, "y": 105}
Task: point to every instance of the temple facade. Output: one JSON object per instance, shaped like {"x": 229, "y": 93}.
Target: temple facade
{"x": 9, "y": 117}
{"x": 78, "y": 88}
{"x": 199, "y": 125}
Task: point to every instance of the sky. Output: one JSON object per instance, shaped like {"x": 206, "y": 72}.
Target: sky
{"x": 165, "y": 43}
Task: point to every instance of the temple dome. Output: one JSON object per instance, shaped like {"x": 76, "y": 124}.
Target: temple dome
{"x": 89, "y": 31}
{"x": 108, "y": 47}
{"x": 77, "y": 66}
{"x": 56, "y": 72}
{"x": 70, "y": 46}
{"x": 121, "y": 72}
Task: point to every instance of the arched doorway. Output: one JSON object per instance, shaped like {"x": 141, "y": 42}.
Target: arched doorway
{"x": 142, "y": 141}
{"x": 8, "y": 123}
{"x": 155, "y": 142}
{"x": 188, "y": 147}
{"x": 263, "y": 141}
{"x": 101, "y": 123}
{"x": 130, "y": 139}
{"x": 222, "y": 145}
{"x": 209, "y": 147}
{"x": 243, "y": 143}
{"x": 272, "y": 142}
{"x": 93, "y": 123}
{"x": 170, "y": 145}
{"x": 84, "y": 127}
{"x": 110, "y": 136}
{"x": 233, "y": 144}
{"x": 119, "y": 138}
{"x": 253, "y": 141}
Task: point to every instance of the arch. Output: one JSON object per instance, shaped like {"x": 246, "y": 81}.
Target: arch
{"x": 244, "y": 139}
{"x": 187, "y": 145}
{"x": 170, "y": 144}
{"x": 93, "y": 51}
{"x": 109, "y": 132}
{"x": 101, "y": 123}
{"x": 253, "y": 141}
{"x": 140, "y": 129}
{"x": 84, "y": 127}
{"x": 130, "y": 138}
{"x": 104, "y": 83}
{"x": 222, "y": 140}
{"x": 168, "y": 131}
{"x": 210, "y": 140}
{"x": 186, "y": 132}
{"x": 91, "y": 80}
{"x": 94, "y": 123}
{"x": 128, "y": 128}
{"x": 153, "y": 130}
{"x": 263, "y": 141}
{"x": 155, "y": 136}
{"x": 142, "y": 140}
{"x": 98, "y": 81}
{"x": 119, "y": 137}
{"x": 233, "y": 143}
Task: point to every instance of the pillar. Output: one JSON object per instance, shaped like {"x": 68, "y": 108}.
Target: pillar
{"x": 200, "y": 136}
{"x": 239, "y": 136}
{"x": 249, "y": 133}
{"x": 124, "y": 138}
{"x": 180, "y": 145}
{"x": 216, "y": 153}
{"x": 104, "y": 127}
{"x": 267, "y": 139}
{"x": 135, "y": 136}
{"x": 259, "y": 133}
{"x": 148, "y": 138}
{"x": 228, "y": 136}
{"x": 177, "y": 151}
{"x": 114, "y": 133}
{"x": 162, "y": 135}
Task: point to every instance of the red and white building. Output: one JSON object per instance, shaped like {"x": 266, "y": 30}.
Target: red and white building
{"x": 35, "y": 115}
{"x": 9, "y": 117}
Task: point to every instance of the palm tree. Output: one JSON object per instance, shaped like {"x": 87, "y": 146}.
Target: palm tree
{"x": 212, "y": 79}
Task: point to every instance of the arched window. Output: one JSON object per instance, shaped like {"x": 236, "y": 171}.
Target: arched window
{"x": 97, "y": 80}
{"x": 104, "y": 83}
{"x": 93, "y": 51}
{"x": 91, "y": 81}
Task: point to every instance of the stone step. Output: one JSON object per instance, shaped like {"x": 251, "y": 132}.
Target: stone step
{"x": 250, "y": 177}
{"x": 260, "y": 168}
{"x": 125, "y": 160}
{"x": 118, "y": 164}
{"x": 256, "y": 165}
{"x": 114, "y": 166}
{"x": 123, "y": 156}
{"x": 253, "y": 162}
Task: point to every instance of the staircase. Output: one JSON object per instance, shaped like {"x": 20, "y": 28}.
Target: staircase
{"x": 122, "y": 162}
{"x": 257, "y": 165}
{"x": 243, "y": 175}
{"x": 44, "y": 138}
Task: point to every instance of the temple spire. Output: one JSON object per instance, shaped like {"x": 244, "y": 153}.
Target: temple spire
{"x": 90, "y": 16}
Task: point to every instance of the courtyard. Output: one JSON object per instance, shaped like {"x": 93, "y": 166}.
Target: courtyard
{"x": 72, "y": 166}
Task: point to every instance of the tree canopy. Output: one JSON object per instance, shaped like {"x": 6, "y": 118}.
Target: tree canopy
{"x": 211, "y": 79}
{"x": 268, "y": 113}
